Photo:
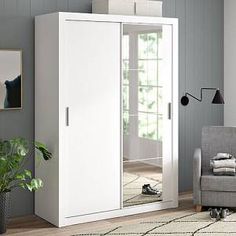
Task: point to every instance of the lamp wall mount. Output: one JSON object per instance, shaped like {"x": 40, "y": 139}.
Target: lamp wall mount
{"x": 218, "y": 99}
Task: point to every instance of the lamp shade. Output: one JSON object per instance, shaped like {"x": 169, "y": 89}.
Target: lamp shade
{"x": 218, "y": 99}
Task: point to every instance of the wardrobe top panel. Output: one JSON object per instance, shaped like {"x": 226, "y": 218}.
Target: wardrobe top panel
{"x": 72, "y": 16}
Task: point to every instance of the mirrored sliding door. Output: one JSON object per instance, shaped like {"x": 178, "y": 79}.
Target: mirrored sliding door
{"x": 146, "y": 111}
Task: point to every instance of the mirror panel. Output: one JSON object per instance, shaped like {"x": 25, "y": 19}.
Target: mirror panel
{"x": 143, "y": 114}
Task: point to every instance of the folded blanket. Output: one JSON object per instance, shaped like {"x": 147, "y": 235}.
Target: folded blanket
{"x": 222, "y": 156}
{"x": 223, "y": 164}
{"x": 224, "y": 171}
{"x": 227, "y": 163}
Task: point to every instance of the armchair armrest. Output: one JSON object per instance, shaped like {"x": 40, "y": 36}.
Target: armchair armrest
{"x": 197, "y": 172}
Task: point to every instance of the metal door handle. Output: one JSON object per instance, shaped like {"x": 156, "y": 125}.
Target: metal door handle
{"x": 169, "y": 111}
{"x": 67, "y": 117}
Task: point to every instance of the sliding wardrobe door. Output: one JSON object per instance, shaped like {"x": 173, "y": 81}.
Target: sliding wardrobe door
{"x": 147, "y": 115}
{"x": 93, "y": 117}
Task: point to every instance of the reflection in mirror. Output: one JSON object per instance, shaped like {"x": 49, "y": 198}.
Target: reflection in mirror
{"x": 142, "y": 114}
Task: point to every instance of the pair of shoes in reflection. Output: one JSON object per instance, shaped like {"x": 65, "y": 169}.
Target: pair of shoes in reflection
{"x": 220, "y": 214}
{"x": 148, "y": 190}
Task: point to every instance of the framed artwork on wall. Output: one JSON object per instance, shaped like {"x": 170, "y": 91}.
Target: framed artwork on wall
{"x": 10, "y": 79}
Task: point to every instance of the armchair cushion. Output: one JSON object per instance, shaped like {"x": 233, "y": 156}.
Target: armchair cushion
{"x": 218, "y": 183}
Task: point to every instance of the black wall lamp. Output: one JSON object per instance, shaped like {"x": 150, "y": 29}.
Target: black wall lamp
{"x": 218, "y": 99}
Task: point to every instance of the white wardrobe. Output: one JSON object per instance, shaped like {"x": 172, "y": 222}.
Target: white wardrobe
{"x": 79, "y": 114}
{"x": 229, "y": 65}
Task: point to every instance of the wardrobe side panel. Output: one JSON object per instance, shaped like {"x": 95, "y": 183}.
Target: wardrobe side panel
{"x": 46, "y": 114}
{"x": 229, "y": 62}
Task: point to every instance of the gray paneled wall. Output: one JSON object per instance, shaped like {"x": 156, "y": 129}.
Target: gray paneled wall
{"x": 201, "y": 64}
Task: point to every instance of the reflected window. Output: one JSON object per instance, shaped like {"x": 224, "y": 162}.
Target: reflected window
{"x": 149, "y": 86}
{"x": 126, "y": 84}
{"x": 148, "y": 61}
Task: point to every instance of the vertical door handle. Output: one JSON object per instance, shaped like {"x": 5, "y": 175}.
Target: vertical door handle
{"x": 169, "y": 111}
{"x": 67, "y": 117}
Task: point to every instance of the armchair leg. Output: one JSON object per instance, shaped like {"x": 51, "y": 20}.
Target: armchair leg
{"x": 198, "y": 208}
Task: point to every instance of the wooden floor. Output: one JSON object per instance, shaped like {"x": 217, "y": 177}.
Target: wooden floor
{"x": 34, "y": 226}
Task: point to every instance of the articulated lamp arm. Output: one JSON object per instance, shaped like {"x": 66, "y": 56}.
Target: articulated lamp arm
{"x": 218, "y": 99}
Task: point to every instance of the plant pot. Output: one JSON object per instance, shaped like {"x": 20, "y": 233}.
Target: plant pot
{"x": 4, "y": 203}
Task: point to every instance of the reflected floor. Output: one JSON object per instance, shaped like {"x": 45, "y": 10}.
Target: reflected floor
{"x": 135, "y": 176}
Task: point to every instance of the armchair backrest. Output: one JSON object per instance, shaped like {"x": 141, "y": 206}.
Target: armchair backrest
{"x": 217, "y": 139}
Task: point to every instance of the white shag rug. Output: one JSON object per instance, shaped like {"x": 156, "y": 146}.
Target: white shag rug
{"x": 181, "y": 223}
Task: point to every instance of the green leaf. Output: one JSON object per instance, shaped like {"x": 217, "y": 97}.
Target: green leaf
{"x": 43, "y": 150}
{"x": 22, "y": 185}
{"x": 28, "y": 173}
{"x": 36, "y": 184}
{"x": 29, "y": 187}
{"x": 24, "y": 175}
{"x": 38, "y": 145}
{"x": 3, "y": 162}
{"x": 22, "y": 146}
{"x": 5, "y": 148}
{"x": 20, "y": 177}
{"x": 13, "y": 157}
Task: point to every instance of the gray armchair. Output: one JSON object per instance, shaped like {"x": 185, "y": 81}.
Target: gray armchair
{"x": 210, "y": 190}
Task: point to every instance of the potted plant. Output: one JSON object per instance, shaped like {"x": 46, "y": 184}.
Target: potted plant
{"x": 14, "y": 154}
